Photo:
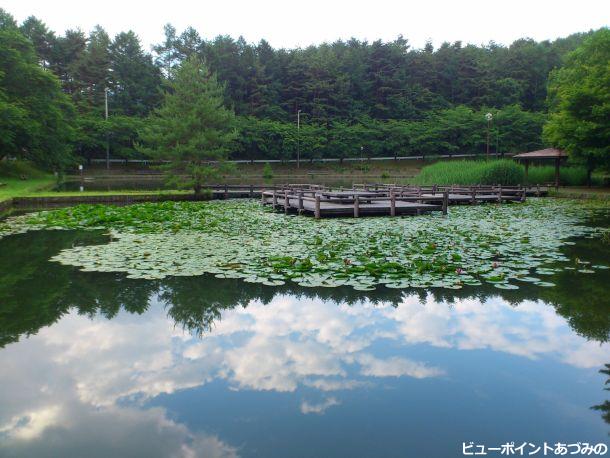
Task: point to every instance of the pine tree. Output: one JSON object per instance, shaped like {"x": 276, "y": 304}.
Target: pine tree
{"x": 167, "y": 52}
{"x": 134, "y": 78}
{"x": 192, "y": 129}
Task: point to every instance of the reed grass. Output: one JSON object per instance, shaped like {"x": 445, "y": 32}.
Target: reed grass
{"x": 499, "y": 171}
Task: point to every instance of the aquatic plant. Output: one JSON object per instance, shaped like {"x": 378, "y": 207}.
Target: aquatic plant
{"x": 498, "y": 244}
{"x": 469, "y": 172}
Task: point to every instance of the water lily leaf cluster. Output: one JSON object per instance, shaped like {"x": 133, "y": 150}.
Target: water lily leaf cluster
{"x": 504, "y": 245}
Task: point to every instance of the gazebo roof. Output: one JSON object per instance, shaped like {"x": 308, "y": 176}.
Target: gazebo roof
{"x": 548, "y": 153}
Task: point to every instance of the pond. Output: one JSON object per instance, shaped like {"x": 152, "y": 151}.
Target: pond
{"x": 98, "y": 364}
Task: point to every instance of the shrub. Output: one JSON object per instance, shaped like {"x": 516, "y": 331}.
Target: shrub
{"x": 267, "y": 171}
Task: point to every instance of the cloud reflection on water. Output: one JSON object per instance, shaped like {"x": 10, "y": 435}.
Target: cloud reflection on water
{"x": 85, "y": 381}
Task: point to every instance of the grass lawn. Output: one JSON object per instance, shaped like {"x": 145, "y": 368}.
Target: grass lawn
{"x": 15, "y": 187}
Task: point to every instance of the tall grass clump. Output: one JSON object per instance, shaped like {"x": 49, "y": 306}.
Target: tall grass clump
{"x": 498, "y": 171}
{"x": 568, "y": 176}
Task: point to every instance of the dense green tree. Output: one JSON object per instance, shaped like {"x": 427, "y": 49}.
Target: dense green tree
{"x": 67, "y": 51}
{"x": 92, "y": 70}
{"x": 579, "y": 102}
{"x": 134, "y": 79}
{"x": 41, "y": 37}
{"x": 387, "y": 97}
{"x": 192, "y": 128}
{"x": 36, "y": 117}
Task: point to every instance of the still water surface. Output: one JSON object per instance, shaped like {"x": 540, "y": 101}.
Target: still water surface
{"x": 97, "y": 365}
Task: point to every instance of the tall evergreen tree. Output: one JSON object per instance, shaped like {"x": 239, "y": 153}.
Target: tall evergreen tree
{"x": 41, "y": 37}
{"x": 168, "y": 54}
{"x": 134, "y": 78}
{"x": 92, "y": 70}
{"x": 192, "y": 128}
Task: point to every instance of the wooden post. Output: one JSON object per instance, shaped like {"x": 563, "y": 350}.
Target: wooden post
{"x": 286, "y": 202}
{"x": 473, "y": 199}
{"x": 226, "y": 192}
{"x": 392, "y": 204}
{"x": 300, "y": 202}
{"x": 263, "y": 197}
{"x": 523, "y": 195}
{"x": 356, "y": 206}
{"x": 500, "y": 194}
{"x": 274, "y": 204}
{"x": 317, "y": 207}
{"x": 537, "y": 190}
{"x": 445, "y": 202}
{"x": 251, "y": 191}
{"x": 434, "y": 190}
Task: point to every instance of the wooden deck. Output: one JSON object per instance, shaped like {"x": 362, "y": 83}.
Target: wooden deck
{"x": 368, "y": 200}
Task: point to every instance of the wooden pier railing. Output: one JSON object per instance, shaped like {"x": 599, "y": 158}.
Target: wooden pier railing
{"x": 384, "y": 199}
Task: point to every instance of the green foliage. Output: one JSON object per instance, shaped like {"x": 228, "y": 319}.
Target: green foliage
{"x": 384, "y": 97}
{"x": 501, "y": 171}
{"x": 192, "y": 129}
{"x": 36, "y": 117}
{"x": 20, "y": 169}
{"x": 504, "y": 172}
{"x": 568, "y": 176}
{"x": 579, "y": 101}
{"x": 134, "y": 79}
{"x": 458, "y": 130}
{"x": 267, "y": 171}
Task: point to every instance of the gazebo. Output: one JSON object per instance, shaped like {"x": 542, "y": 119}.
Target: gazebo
{"x": 543, "y": 154}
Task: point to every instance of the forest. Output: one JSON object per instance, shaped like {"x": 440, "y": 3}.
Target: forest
{"x": 355, "y": 98}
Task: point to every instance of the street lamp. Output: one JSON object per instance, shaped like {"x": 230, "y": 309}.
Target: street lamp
{"x": 298, "y": 139}
{"x": 107, "y": 134}
{"x": 489, "y": 117}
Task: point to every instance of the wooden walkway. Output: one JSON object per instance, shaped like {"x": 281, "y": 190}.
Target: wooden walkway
{"x": 389, "y": 200}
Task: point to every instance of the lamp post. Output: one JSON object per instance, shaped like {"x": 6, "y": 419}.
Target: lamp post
{"x": 298, "y": 139}
{"x": 107, "y": 134}
{"x": 489, "y": 117}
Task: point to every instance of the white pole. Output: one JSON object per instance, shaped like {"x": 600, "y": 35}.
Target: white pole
{"x": 107, "y": 136}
